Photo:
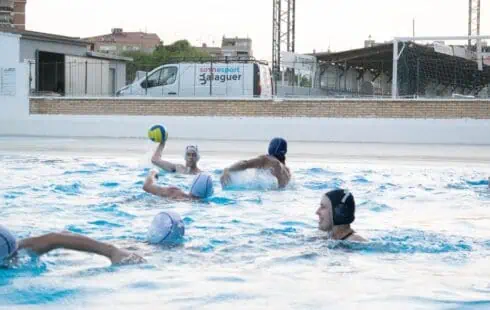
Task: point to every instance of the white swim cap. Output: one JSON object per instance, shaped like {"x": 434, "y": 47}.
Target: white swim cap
{"x": 192, "y": 148}
{"x": 8, "y": 244}
{"x": 166, "y": 228}
{"x": 202, "y": 186}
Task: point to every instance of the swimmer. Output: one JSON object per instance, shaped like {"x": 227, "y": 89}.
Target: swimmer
{"x": 201, "y": 188}
{"x": 336, "y": 214}
{"x": 10, "y": 246}
{"x": 191, "y": 157}
{"x": 275, "y": 162}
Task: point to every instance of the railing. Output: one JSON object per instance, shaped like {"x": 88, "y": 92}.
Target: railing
{"x": 225, "y": 78}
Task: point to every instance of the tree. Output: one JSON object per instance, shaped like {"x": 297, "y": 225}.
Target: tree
{"x": 162, "y": 54}
{"x": 305, "y": 81}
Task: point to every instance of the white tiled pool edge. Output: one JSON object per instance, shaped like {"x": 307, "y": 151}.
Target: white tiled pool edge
{"x": 425, "y": 131}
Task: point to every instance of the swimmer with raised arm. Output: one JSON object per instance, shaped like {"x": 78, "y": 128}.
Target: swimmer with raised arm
{"x": 191, "y": 157}
{"x": 275, "y": 162}
{"x": 201, "y": 188}
{"x": 336, "y": 214}
{"x": 10, "y": 246}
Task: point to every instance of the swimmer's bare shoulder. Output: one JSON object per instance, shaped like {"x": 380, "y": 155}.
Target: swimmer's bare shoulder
{"x": 279, "y": 170}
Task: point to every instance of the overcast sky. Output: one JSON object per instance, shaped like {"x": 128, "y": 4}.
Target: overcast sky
{"x": 340, "y": 24}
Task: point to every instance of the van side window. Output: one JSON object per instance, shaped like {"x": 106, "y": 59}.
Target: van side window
{"x": 153, "y": 79}
{"x": 169, "y": 75}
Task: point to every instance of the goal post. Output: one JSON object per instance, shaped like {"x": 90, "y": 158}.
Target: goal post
{"x": 440, "y": 66}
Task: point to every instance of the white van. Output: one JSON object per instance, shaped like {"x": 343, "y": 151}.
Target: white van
{"x": 203, "y": 79}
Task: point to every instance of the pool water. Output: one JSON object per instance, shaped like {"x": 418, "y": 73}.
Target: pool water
{"x": 250, "y": 247}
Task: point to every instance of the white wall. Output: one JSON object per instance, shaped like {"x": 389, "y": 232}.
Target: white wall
{"x": 13, "y": 106}
{"x": 461, "y": 131}
{"x": 95, "y": 71}
{"x": 9, "y": 48}
{"x": 28, "y": 49}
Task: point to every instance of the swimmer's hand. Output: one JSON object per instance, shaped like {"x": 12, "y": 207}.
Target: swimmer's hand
{"x": 225, "y": 178}
{"x": 154, "y": 174}
{"x": 122, "y": 257}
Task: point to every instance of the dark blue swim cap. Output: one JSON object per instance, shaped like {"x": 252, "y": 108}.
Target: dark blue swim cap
{"x": 278, "y": 147}
{"x": 8, "y": 244}
{"x": 343, "y": 206}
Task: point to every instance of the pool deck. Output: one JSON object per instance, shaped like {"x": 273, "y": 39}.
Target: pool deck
{"x": 298, "y": 151}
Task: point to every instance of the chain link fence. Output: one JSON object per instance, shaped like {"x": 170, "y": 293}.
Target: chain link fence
{"x": 443, "y": 70}
{"x": 420, "y": 75}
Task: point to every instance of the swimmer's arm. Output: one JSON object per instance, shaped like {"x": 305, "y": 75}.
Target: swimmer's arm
{"x": 258, "y": 162}
{"x": 166, "y": 192}
{"x": 49, "y": 242}
{"x": 157, "y": 160}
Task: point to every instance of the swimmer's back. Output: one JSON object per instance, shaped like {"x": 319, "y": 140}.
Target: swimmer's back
{"x": 278, "y": 169}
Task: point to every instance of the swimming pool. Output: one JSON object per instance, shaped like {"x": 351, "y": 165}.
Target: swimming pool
{"x": 249, "y": 248}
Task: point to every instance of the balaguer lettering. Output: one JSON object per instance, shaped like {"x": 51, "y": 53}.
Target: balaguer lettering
{"x": 204, "y": 78}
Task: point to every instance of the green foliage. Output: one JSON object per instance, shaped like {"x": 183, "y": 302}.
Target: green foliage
{"x": 305, "y": 81}
{"x": 162, "y": 54}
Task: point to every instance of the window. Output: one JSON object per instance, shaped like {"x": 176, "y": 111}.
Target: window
{"x": 153, "y": 80}
{"x": 169, "y": 75}
{"x": 165, "y": 76}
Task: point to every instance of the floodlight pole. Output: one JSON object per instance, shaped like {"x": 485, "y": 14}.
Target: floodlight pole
{"x": 394, "y": 78}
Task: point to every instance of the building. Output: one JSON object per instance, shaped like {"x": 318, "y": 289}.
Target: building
{"x": 212, "y": 51}
{"x": 370, "y": 42}
{"x": 19, "y": 21}
{"x": 6, "y": 12}
{"x": 230, "y": 47}
{"x": 12, "y": 13}
{"x": 119, "y": 41}
{"x": 68, "y": 66}
{"x": 237, "y": 47}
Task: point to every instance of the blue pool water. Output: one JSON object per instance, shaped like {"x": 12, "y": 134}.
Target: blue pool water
{"x": 250, "y": 247}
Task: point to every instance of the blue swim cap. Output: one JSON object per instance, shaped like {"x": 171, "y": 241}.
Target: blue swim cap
{"x": 343, "y": 206}
{"x": 202, "y": 186}
{"x": 278, "y": 147}
{"x": 8, "y": 244}
{"x": 166, "y": 228}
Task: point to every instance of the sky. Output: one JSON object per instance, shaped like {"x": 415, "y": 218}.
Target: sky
{"x": 320, "y": 24}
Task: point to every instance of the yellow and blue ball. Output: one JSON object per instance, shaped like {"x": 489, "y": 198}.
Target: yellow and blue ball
{"x": 158, "y": 133}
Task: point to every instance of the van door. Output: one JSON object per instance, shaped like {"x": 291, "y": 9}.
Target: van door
{"x": 169, "y": 81}
{"x": 151, "y": 84}
{"x": 162, "y": 83}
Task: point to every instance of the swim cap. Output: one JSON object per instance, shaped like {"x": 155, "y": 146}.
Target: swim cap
{"x": 166, "y": 227}
{"x": 278, "y": 147}
{"x": 8, "y": 244}
{"x": 202, "y": 186}
{"x": 192, "y": 148}
{"x": 343, "y": 206}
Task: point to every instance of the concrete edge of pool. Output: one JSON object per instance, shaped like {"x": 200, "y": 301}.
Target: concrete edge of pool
{"x": 318, "y": 151}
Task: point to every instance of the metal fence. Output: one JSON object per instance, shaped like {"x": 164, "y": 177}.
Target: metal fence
{"x": 432, "y": 70}
{"x": 98, "y": 78}
{"x": 76, "y": 78}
